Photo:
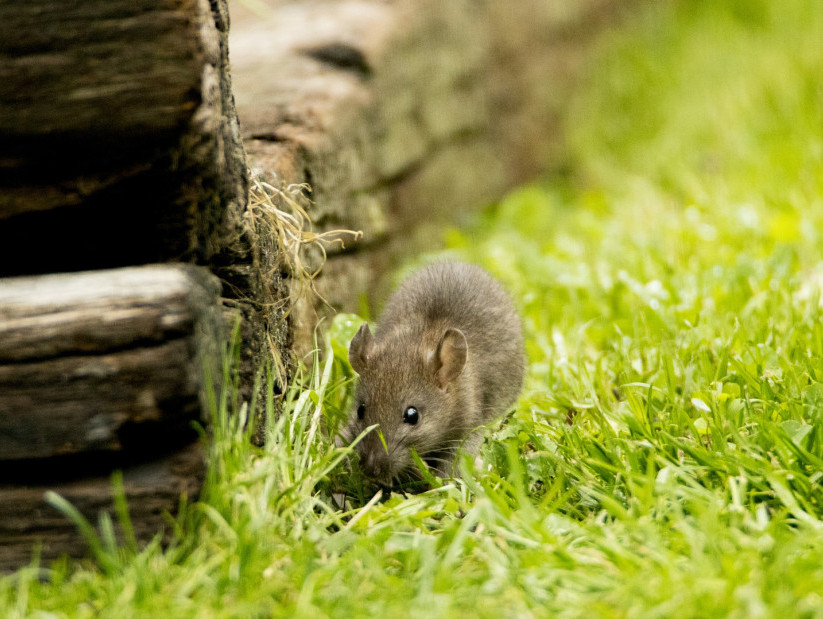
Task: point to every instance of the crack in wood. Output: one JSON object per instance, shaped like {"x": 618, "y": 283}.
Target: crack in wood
{"x": 341, "y": 56}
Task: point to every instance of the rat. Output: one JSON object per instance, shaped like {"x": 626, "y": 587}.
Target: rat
{"x": 446, "y": 358}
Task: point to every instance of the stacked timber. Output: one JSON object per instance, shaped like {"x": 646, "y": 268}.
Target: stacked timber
{"x": 123, "y": 254}
{"x": 116, "y": 125}
{"x": 101, "y": 370}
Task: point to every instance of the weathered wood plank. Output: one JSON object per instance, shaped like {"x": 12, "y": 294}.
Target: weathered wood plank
{"x": 402, "y": 107}
{"x": 90, "y": 361}
{"x": 403, "y": 115}
{"x": 50, "y": 315}
{"x": 151, "y": 489}
{"x": 67, "y": 62}
{"x": 115, "y": 106}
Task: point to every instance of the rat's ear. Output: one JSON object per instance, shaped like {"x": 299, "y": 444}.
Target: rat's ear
{"x": 360, "y": 348}
{"x": 447, "y": 362}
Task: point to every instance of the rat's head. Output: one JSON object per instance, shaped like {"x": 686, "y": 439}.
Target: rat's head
{"x": 409, "y": 386}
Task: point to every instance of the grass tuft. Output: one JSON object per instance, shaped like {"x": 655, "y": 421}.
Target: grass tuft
{"x": 282, "y": 231}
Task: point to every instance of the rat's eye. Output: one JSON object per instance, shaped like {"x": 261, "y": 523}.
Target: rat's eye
{"x": 361, "y": 410}
{"x": 410, "y": 415}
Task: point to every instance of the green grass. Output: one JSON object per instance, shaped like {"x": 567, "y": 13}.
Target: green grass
{"x": 666, "y": 457}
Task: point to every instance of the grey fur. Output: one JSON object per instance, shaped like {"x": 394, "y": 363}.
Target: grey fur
{"x": 448, "y": 343}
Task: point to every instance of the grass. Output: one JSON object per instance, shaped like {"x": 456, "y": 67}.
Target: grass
{"x": 666, "y": 457}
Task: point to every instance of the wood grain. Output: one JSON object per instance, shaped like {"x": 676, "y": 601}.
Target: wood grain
{"x": 119, "y": 137}
{"x": 91, "y": 361}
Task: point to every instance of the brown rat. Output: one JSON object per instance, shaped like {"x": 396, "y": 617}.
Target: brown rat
{"x": 446, "y": 358}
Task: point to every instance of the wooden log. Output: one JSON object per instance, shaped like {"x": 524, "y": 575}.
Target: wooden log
{"x": 115, "y": 108}
{"x": 99, "y": 361}
{"x": 403, "y": 116}
{"x": 28, "y": 521}
{"x": 411, "y": 111}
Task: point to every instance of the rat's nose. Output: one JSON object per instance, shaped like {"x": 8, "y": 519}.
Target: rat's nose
{"x": 375, "y": 466}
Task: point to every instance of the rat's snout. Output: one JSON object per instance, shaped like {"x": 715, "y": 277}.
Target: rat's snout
{"x": 375, "y": 466}
{"x": 374, "y": 460}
